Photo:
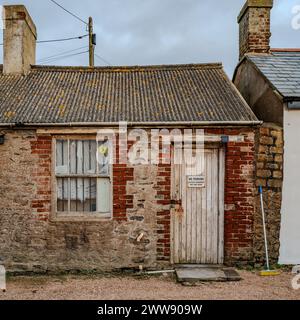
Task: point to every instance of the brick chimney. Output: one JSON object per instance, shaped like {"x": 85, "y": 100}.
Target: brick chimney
{"x": 254, "y": 23}
{"x": 19, "y": 40}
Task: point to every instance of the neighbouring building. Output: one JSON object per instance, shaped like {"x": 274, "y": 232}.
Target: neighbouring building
{"x": 269, "y": 80}
{"x": 64, "y": 206}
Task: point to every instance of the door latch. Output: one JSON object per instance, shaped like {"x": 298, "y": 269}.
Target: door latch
{"x": 174, "y": 203}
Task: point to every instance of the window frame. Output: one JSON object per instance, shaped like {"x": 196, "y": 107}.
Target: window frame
{"x": 80, "y": 215}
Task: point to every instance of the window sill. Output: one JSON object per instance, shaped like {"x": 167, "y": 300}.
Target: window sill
{"x": 84, "y": 217}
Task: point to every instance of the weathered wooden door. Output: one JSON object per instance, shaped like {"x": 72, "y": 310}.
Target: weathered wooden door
{"x": 197, "y": 216}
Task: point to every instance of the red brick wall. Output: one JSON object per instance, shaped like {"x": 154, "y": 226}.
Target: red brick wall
{"x": 239, "y": 202}
{"x": 41, "y": 205}
{"x": 163, "y": 216}
{"x": 121, "y": 201}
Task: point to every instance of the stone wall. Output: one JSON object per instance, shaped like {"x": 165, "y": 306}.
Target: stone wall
{"x": 269, "y": 171}
{"x": 30, "y": 239}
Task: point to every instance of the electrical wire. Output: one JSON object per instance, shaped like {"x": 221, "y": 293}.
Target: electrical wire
{"x": 63, "y": 39}
{"x": 64, "y": 57}
{"x": 102, "y": 59}
{"x": 60, "y": 40}
{"x": 69, "y": 12}
{"x": 59, "y": 54}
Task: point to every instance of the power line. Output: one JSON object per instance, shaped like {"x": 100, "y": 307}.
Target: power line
{"x": 64, "y": 39}
{"x": 64, "y": 57}
{"x": 59, "y": 54}
{"x": 102, "y": 59}
{"x": 69, "y": 12}
{"x": 59, "y": 40}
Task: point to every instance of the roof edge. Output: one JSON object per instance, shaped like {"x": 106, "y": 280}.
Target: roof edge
{"x": 285, "y": 50}
{"x": 106, "y": 124}
{"x": 139, "y": 68}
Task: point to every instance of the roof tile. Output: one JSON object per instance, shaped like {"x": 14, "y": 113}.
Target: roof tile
{"x": 178, "y": 93}
{"x": 282, "y": 69}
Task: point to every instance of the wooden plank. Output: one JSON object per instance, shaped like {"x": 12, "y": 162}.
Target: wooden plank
{"x": 175, "y": 218}
{"x": 54, "y": 205}
{"x": 183, "y": 253}
{"x": 73, "y": 195}
{"x": 73, "y": 156}
{"x": 175, "y": 173}
{"x": 193, "y": 215}
{"x": 188, "y": 212}
{"x": 86, "y": 156}
{"x": 62, "y": 157}
{"x": 204, "y": 212}
{"x": 104, "y": 195}
{"x": 80, "y": 194}
{"x": 59, "y": 153}
{"x": 70, "y": 131}
{"x": 200, "y": 162}
{"x": 179, "y": 221}
{"x": 67, "y": 161}
{"x": 173, "y": 258}
{"x": 221, "y": 205}
{"x": 209, "y": 210}
{"x": 172, "y": 239}
{"x": 93, "y": 157}
{"x": 79, "y": 157}
{"x": 93, "y": 131}
{"x": 215, "y": 191}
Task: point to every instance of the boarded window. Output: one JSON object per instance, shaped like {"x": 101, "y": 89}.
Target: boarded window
{"x": 83, "y": 177}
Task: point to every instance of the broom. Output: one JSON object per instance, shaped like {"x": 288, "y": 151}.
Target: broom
{"x": 266, "y": 272}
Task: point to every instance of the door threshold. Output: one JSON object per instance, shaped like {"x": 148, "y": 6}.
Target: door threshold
{"x": 194, "y": 265}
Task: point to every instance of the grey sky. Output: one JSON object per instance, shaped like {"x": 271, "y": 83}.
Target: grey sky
{"x": 139, "y": 32}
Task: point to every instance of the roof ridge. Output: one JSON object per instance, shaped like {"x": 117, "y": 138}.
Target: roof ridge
{"x": 285, "y": 50}
{"x": 141, "y": 68}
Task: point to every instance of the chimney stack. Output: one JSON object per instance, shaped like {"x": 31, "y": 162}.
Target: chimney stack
{"x": 255, "y": 30}
{"x": 19, "y": 40}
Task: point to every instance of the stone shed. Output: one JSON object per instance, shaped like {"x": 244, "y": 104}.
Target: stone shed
{"x": 78, "y": 191}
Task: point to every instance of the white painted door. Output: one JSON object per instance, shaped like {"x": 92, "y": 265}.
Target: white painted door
{"x": 197, "y": 219}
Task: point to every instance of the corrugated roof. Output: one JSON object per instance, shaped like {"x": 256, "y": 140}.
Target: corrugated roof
{"x": 282, "y": 69}
{"x": 178, "y": 93}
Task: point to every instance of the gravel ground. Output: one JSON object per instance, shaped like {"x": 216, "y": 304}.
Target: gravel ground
{"x": 133, "y": 287}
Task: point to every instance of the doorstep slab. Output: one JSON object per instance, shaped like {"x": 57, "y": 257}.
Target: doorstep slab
{"x": 193, "y": 274}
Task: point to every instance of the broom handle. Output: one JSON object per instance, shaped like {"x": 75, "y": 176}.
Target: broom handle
{"x": 264, "y": 226}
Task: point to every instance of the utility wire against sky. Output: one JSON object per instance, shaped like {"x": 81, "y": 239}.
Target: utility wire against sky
{"x": 102, "y": 59}
{"x": 60, "y": 54}
{"x": 69, "y": 12}
{"x": 64, "y": 57}
{"x": 64, "y": 39}
{"x": 59, "y": 40}
{"x": 78, "y": 18}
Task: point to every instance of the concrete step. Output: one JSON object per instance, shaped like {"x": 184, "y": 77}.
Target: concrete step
{"x": 190, "y": 274}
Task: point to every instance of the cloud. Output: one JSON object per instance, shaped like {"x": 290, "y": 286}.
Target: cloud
{"x": 141, "y": 32}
